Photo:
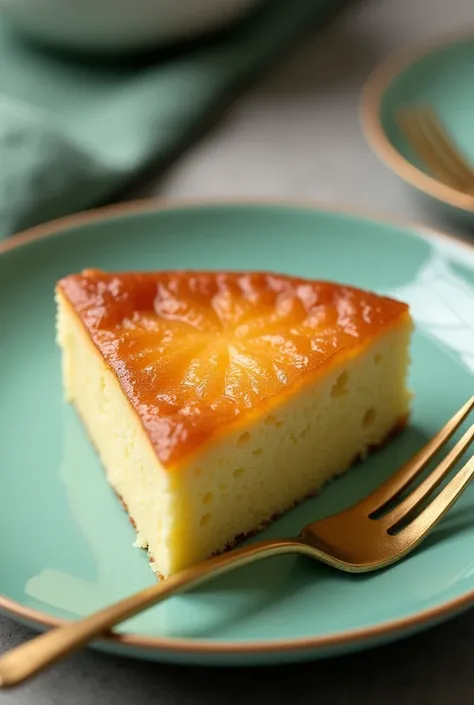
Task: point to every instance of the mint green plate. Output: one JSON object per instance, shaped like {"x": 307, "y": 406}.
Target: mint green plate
{"x": 438, "y": 75}
{"x": 66, "y": 546}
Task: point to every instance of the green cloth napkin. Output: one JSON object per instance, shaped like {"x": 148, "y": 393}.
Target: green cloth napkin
{"x": 73, "y": 133}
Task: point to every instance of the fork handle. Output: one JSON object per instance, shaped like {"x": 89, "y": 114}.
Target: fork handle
{"x": 26, "y": 660}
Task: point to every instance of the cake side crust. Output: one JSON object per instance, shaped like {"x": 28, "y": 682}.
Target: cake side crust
{"x": 241, "y": 538}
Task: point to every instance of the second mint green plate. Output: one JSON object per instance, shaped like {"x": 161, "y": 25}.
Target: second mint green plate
{"x": 66, "y": 544}
{"x": 438, "y": 75}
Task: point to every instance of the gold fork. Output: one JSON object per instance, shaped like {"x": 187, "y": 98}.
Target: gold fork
{"x": 436, "y": 148}
{"x": 373, "y": 534}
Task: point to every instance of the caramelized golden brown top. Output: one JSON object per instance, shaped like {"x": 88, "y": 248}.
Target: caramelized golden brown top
{"x": 194, "y": 350}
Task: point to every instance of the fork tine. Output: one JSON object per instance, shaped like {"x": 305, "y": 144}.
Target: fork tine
{"x": 424, "y": 489}
{"x": 390, "y": 489}
{"x": 420, "y": 145}
{"x": 447, "y": 149}
{"x": 429, "y": 517}
{"x": 416, "y": 137}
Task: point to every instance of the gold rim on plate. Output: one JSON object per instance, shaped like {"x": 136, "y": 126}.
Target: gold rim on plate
{"x": 200, "y": 646}
{"x": 370, "y": 107}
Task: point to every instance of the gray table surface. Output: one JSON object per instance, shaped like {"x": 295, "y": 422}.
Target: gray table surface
{"x": 296, "y": 135}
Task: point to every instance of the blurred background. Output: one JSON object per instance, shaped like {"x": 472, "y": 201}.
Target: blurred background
{"x": 265, "y": 103}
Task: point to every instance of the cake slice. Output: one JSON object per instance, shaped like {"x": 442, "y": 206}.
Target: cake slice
{"x": 217, "y": 401}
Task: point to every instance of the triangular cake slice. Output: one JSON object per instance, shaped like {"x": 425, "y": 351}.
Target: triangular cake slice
{"x": 217, "y": 401}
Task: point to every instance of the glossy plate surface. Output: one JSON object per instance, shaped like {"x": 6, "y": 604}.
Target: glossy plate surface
{"x": 66, "y": 544}
{"x": 439, "y": 75}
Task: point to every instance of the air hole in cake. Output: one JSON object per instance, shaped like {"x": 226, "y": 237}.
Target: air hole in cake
{"x": 279, "y": 424}
{"x": 305, "y": 432}
{"x": 243, "y": 439}
{"x": 198, "y": 471}
{"x": 257, "y": 452}
{"x": 293, "y": 439}
{"x": 222, "y": 486}
{"x": 238, "y": 472}
{"x": 340, "y": 386}
{"x": 378, "y": 358}
{"x": 271, "y": 420}
{"x": 369, "y": 418}
{"x": 205, "y": 519}
{"x": 208, "y": 497}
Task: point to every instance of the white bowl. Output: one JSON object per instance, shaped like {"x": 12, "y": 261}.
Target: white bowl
{"x": 118, "y": 25}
